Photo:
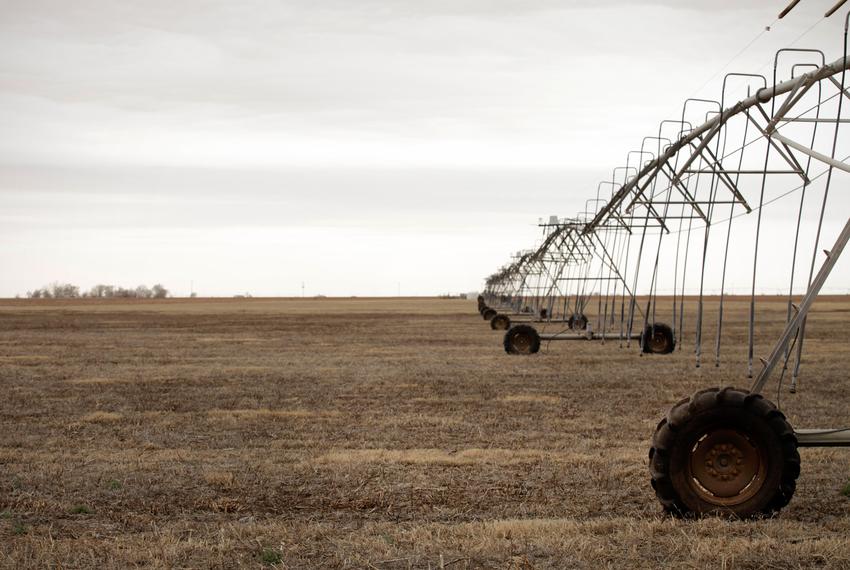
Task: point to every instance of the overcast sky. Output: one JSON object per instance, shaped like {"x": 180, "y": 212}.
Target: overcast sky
{"x": 359, "y": 146}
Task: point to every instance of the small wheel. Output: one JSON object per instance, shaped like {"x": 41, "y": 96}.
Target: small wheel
{"x": 577, "y": 322}
{"x": 658, "y": 339}
{"x": 482, "y": 308}
{"x": 544, "y": 313}
{"x": 500, "y": 323}
{"x": 522, "y": 339}
{"x": 726, "y": 452}
{"x": 488, "y": 313}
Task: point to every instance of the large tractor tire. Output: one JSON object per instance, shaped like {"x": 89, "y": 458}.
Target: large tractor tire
{"x": 522, "y": 339}
{"x": 726, "y": 452}
{"x": 500, "y": 323}
{"x": 577, "y": 322}
{"x": 658, "y": 339}
{"x": 488, "y": 313}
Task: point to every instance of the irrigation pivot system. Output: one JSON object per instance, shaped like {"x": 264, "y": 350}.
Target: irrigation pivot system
{"x": 729, "y": 191}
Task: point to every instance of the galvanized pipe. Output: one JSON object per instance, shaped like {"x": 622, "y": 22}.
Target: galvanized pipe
{"x": 761, "y": 96}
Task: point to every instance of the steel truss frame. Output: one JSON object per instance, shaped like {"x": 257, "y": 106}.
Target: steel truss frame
{"x": 677, "y": 186}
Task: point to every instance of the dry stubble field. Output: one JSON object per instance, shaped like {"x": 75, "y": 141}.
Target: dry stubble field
{"x": 361, "y": 433}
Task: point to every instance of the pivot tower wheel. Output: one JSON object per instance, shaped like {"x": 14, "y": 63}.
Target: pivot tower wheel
{"x": 577, "y": 322}
{"x": 657, "y": 338}
{"x": 500, "y": 323}
{"x": 522, "y": 339}
{"x": 725, "y": 451}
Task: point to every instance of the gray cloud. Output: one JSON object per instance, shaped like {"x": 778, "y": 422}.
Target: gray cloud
{"x": 456, "y": 114}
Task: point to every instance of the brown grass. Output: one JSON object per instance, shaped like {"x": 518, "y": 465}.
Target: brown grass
{"x": 223, "y": 479}
{"x": 375, "y": 433}
{"x": 266, "y": 414}
{"x": 524, "y": 398}
{"x": 91, "y": 381}
{"x": 101, "y": 417}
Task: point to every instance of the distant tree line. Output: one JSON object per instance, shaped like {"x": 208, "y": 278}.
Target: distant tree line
{"x": 69, "y": 291}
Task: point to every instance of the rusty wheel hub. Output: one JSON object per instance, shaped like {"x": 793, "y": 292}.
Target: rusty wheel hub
{"x": 726, "y": 468}
{"x": 522, "y": 343}
{"x": 657, "y": 341}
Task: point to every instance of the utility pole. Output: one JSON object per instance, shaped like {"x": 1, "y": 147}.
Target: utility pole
{"x": 302, "y": 289}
